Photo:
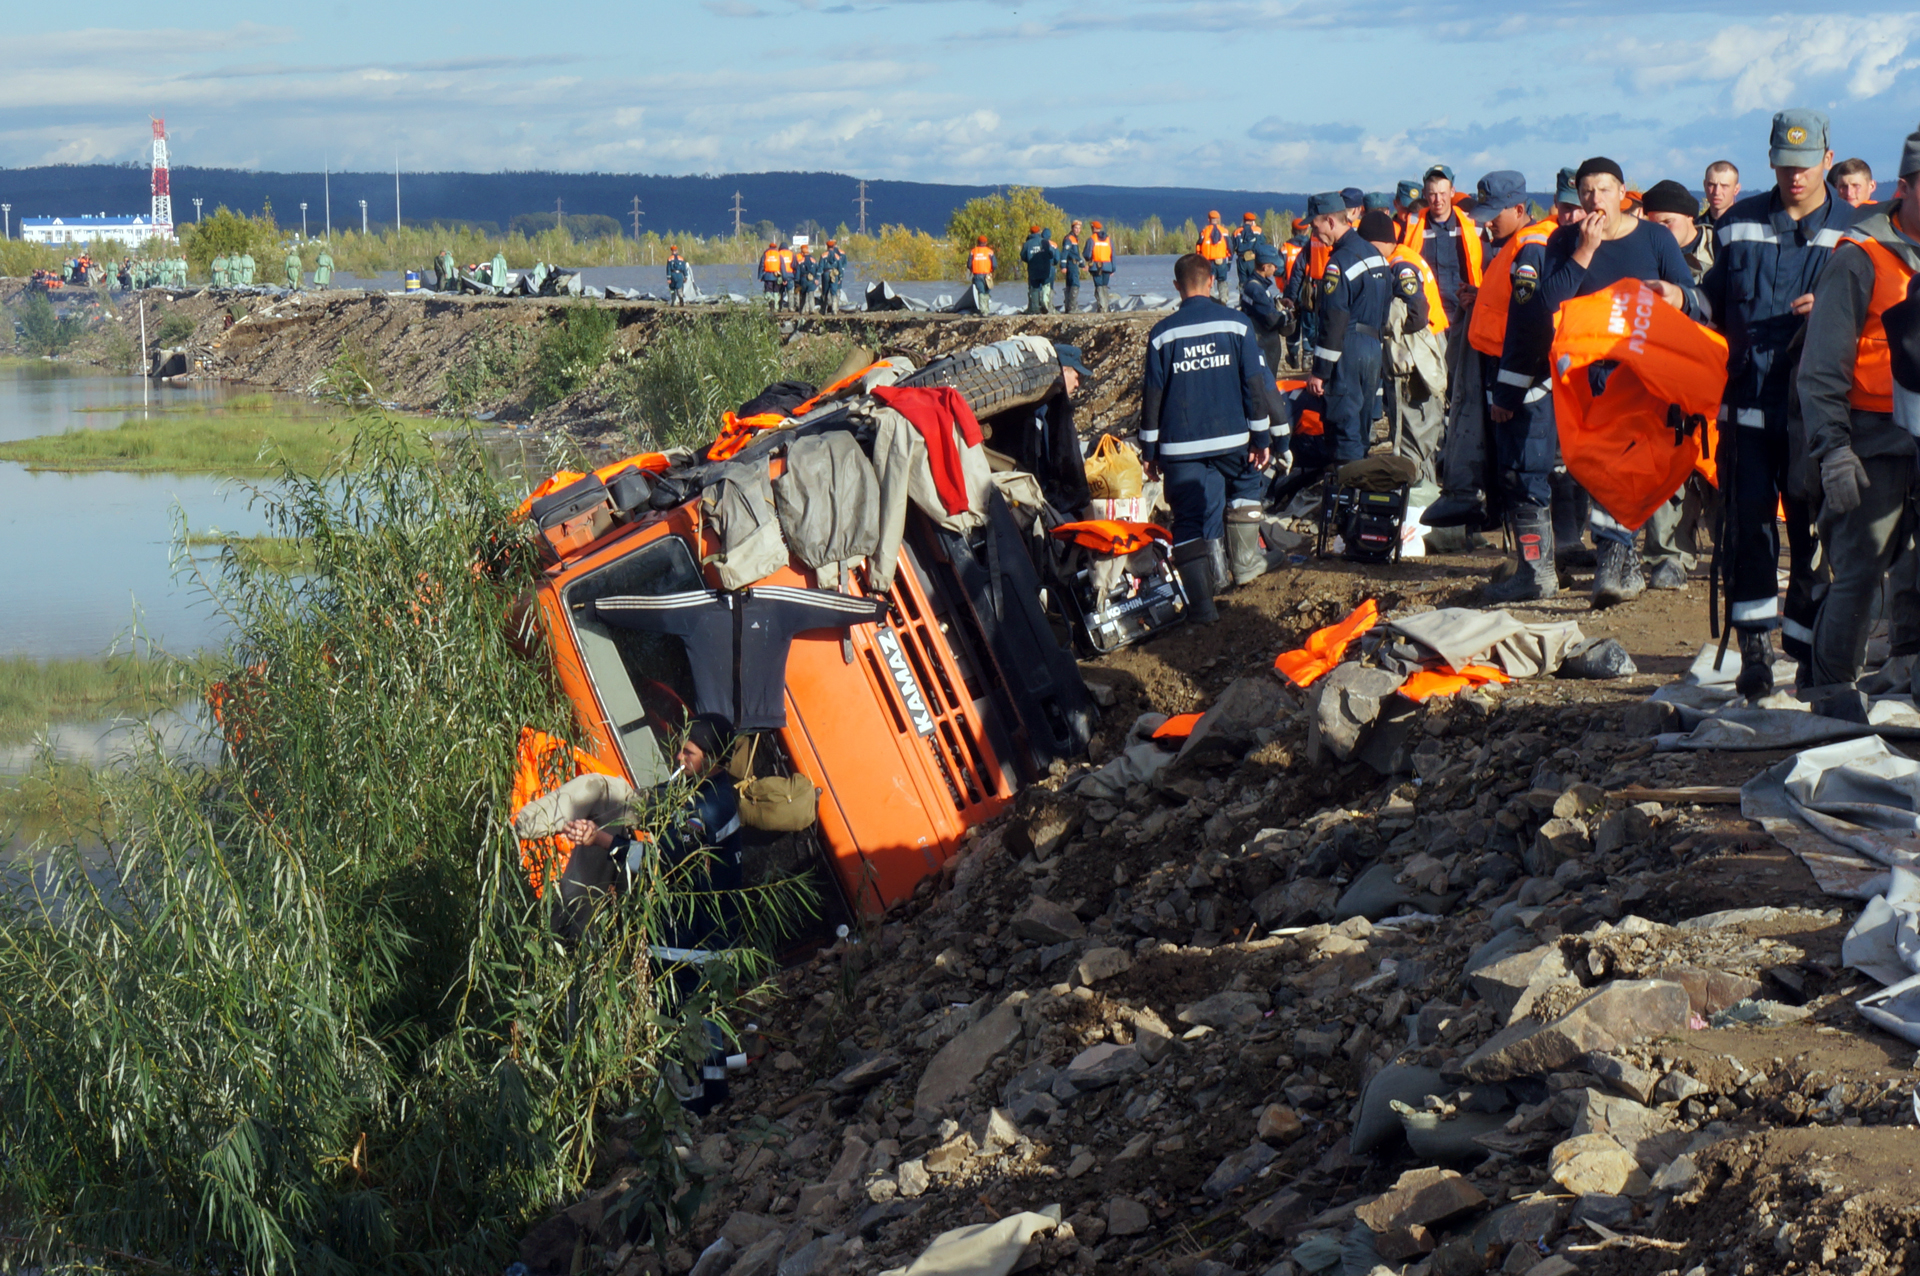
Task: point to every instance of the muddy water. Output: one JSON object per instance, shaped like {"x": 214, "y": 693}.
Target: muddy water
{"x": 89, "y": 554}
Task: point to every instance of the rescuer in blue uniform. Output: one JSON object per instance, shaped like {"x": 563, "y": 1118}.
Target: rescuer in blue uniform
{"x": 1040, "y": 255}
{"x": 1261, "y": 303}
{"x": 677, "y": 272}
{"x": 1205, "y": 425}
{"x": 1353, "y": 305}
{"x": 1243, "y": 243}
{"x": 1771, "y": 248}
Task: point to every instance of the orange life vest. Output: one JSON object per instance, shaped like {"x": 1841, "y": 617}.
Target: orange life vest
{"x": 1213, "y": 243}
{"x": 1306, "y": 420}
{"x": 1112, "y": 537}
{"x": 1436, "y": 313}
{"x": 544, "y": 763}
{"x": 1873, "y": 358}
{"x": 980, "y": 262}
{"x": 786, "y": 261}
{"x": 1289, "y": 253}
{"x": 1324, "y": 648}
{"x": 1618, "y": 444}
{"x": 1487, "y": 331}
{"x": 651, "y": 462}
{"x": 770, "y": 262}
{"x": 1415, "y": 235}
{"x": 1100, "y": 249}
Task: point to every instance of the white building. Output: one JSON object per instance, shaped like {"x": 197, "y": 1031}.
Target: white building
{"x": 129, "y": 232}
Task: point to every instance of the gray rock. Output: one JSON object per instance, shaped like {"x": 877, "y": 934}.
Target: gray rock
{"x": 1044, "y": 922}
{"x": 1621, "y": 1077}
{"x": 1226, "y": 1010}
{"x": 1345, "y": 703}
{"x": 1103, "y": 963}
{"x": 1512, "y": 984}
{"x": 1555, "y": 843}
{"x": 1677, "y": 1087}
{"x": 745, "y": 1229}
{"x": 1421, "y": 1198}
{"x": 865, "y": 1074}
{"x": 1246, "y": 707}
{"x": 813, "y": 1258}
{"x": 1647, "y": 1133}
{"x": 1615, "y": 1212}
{"x": 1127, "y": 1217}
{"x": 1237, "y": 1170}
{"x": 1678, "y": 1175}
{"x": 952, "y": 1072}
{"x": 1103, "y": 1065}
{"x": 1614, "y": 1015}
{"x": 998, "y": 1132}
{"x": 1593, "y": 1164}
{"x": 761, "y": 1258}
{"x": 1278, "y": 1216}
{"x": 1050, "y": 819}
{"x": 912, "y": 1177}
{"x": 715, "y": 1259}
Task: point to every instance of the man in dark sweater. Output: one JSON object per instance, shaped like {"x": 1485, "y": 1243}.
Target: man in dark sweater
{"x": 1604, "y": 247}
{"x": 1859, "y": 427}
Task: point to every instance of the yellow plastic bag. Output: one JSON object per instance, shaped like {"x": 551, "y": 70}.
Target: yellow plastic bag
{"x": 1114, "y": 471}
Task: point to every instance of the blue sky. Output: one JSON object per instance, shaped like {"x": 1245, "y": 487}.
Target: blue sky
{"x": 1258, "y": 94}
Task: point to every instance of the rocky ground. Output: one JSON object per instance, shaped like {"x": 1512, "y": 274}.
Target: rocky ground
{"x": 1533, "y": 1000}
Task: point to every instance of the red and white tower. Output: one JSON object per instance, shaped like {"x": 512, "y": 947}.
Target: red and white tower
{"x": 162, "y": 183}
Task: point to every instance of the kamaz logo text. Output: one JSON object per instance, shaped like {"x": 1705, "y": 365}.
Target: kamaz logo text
{"x": 903, "y": 679}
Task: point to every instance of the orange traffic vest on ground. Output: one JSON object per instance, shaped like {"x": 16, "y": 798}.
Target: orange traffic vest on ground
{"x": 1436, "y": 313}
{"x": 1487, "y": 330}
{"x": 1623, "y": 444}
{"x": 1213, "y": 242}
{"x": 1415, "y": 235}
{"x": 980, "y": 261}
{"x": 1100, "y": 249}
{"x": 1110, "y": 537}
{"x": 1873, "y": 359}
{"x": 770, "y": 262}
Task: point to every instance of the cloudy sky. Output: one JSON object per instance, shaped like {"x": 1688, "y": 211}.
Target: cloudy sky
{"x": 1258, "y": 94}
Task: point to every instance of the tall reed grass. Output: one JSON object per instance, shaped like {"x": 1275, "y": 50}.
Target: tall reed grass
{"x": 307, "y": 1015}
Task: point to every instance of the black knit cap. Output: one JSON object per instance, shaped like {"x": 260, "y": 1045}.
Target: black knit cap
{"x": 1377, "y": 227}
{"x": 708, "y": 732}
{"x": 1670, "y": 197}
{"x": 1598, "y": 164}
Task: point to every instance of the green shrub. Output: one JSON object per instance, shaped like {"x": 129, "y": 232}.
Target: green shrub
{"x": 490, "y": 369}
{"x": 42, "y": 330}
{"x": 1003, "y": 219}
{"x": 304, "y": 1014}
{"x": 173, "y": 330}
{"x": 676, "y": 389}
{"x": 572, "y": 348}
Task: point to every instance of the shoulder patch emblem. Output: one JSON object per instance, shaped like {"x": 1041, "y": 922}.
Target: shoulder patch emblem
{"x": 1523, "y": 290}
{"x": 1248, "y": 255}
{"x": 1410, "y": 283}
{"x": 1332, "y": 281}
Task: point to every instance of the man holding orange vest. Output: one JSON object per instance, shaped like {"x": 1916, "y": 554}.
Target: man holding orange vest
{"x": 1100, "y": 266}
{"x": 981, "y": 264}
{"x": 1860, "y": 428}
{"x": 1215, "y": 247}
{"x": 1772, "y": 248}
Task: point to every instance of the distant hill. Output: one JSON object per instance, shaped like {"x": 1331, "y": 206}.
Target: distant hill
{"x": 701, "y": 205}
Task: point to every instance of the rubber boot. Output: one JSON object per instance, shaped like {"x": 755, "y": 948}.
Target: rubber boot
{"x": 1456, "y": 509}
{"x": 1244, "y": 550}
{"x": 1533, "y": 575}
{"x": 1196, "y": 577}
{"x": 1217, "y": 564}
{"x": 1616, "y": 576}
{"x": 1756, "y": 663}
{"x": 1572, "y": 507}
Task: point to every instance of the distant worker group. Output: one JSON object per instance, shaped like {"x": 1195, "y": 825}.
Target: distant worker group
{"x": 794, "y": 279}
{"x": 1433, "y": 312}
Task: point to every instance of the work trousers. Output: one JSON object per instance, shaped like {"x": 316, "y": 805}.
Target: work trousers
{"x": 1860, "y": 548}
{"x": 830, "y": 298}
{"x": 1220, "y": 282}
{"x": 1419, "y": 419}
{"x": 804, "y": 300}
{"x": 1752, "y": 461}
{"x": 1199, "y": 490}
{"x": 982, "y": 294}
{"x": 1039, "y": 299}
{"x": 1102, "y": 297}
{"x": 1351, "y": 394}
{"x": 1670, "y": 532}
{"x": 676, "y": 296}
{"x": 1526, "y": 446}
{"x": 770, "y": 293}
{"x": 1069, "y": 298}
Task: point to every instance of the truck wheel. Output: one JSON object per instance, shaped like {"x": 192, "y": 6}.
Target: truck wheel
{"x": 988, "y": 391}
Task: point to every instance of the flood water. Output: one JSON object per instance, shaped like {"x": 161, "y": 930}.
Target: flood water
{"x": 92, "y": 552}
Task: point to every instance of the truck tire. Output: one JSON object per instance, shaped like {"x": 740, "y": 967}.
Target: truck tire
{"x": 989, "y": 391}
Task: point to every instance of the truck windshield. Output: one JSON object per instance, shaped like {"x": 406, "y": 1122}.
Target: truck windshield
{"x": 643, "y": 680}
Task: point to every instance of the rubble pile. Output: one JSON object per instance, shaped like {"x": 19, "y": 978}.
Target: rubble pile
{"x": 1471, "y": 1007}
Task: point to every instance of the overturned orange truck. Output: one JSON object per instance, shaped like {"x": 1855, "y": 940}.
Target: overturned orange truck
{"x": 914, "y": 727}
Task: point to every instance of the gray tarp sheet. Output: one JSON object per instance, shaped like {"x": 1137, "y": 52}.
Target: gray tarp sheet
{"x": 1464, "y": 635}
{"x": 1715, "y": 717}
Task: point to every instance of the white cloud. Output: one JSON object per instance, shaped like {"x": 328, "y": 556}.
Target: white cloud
{"x": 1768, "y": 65}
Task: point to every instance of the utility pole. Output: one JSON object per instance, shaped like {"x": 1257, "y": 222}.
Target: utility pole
{"x": 6, "y": 210}
{"x": 326, "y": 191}
{"x": 303, "y": 220}
{"x": 396, "y": 191}
{"x": 738, "y": 209}
{"x": 196, "y": 210}
{"x": 559, "y": 216}
{"x": 636, "y": 217}
{"x": 863, "y": 202}
{"x": 363, "y": 218}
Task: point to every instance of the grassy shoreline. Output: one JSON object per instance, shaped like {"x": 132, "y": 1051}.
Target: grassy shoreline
{"x": 35, "y": 694}
{"x": 246, "y": 437}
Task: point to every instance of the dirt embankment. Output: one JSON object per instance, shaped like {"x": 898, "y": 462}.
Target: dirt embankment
{"x": 406, "y": 347}
{"x": 1093, "y": 1010}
